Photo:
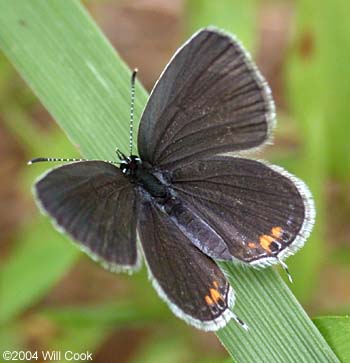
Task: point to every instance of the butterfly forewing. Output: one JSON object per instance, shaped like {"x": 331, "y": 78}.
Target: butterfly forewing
{"x": 94, "y": 203}
{"x": 189, "y": 281}
{"x": 261, "y": 212}
{"x": 210, "y": 99}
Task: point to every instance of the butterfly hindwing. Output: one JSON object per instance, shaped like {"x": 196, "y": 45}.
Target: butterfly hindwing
{"x": 95, "y": 204}
{"x": 261, "y": 212}
{"x": 190, "y": 282}
{"x": 210, "y": 99}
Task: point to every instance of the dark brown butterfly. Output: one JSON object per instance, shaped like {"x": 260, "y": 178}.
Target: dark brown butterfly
{"x": 189, "y": 204}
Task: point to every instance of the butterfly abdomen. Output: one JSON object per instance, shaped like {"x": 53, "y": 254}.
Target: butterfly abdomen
{"x": 197, "y": 231}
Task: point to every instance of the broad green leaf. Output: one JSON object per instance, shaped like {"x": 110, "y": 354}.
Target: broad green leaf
{"x": 80, "y": 79}
{"x": 336, "y": 331}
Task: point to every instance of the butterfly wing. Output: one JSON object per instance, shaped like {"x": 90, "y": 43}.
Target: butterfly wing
{"x": 210, "y": 99}
{"x": 95, "y": 204}
{"x": 190, "y": 282}
{"x": 263, "y": 213}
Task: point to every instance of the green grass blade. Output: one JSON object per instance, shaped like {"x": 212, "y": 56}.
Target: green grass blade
{"x": 74, "y": 71}
{"x": 80, "y": 79}
{"x": 280, "y": 330}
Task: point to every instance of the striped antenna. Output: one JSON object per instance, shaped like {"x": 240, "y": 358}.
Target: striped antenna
{"x": 120, "y": 155}
{"x": 39, "y": 160}
{"x": 131, "y": 130}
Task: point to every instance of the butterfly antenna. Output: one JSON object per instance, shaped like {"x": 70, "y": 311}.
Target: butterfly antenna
{"x": 120, "y": 155}
{"x": 39, "y": 160}
{"x": 70, "y": 160}
{"x": 131, "y": 130}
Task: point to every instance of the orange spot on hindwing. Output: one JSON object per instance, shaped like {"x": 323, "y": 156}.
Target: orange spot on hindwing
{"x": 208, "y": 300}
{"x": 266, "y": 240}
{"x": 215, "y": 295}
{"x": 214, "y": 298}
{"x": 276, "y": 232}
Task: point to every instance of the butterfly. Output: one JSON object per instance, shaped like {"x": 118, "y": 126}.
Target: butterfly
{"x": 191, "y": 197}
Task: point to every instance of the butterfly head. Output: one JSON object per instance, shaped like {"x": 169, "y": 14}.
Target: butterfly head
{"x": 129, "y": 164}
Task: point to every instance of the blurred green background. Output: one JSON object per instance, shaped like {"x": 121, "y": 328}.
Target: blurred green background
{"x": 50, "y": 293}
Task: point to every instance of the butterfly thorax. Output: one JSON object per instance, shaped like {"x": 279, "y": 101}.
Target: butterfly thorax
{"x": 139, "y": 173}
